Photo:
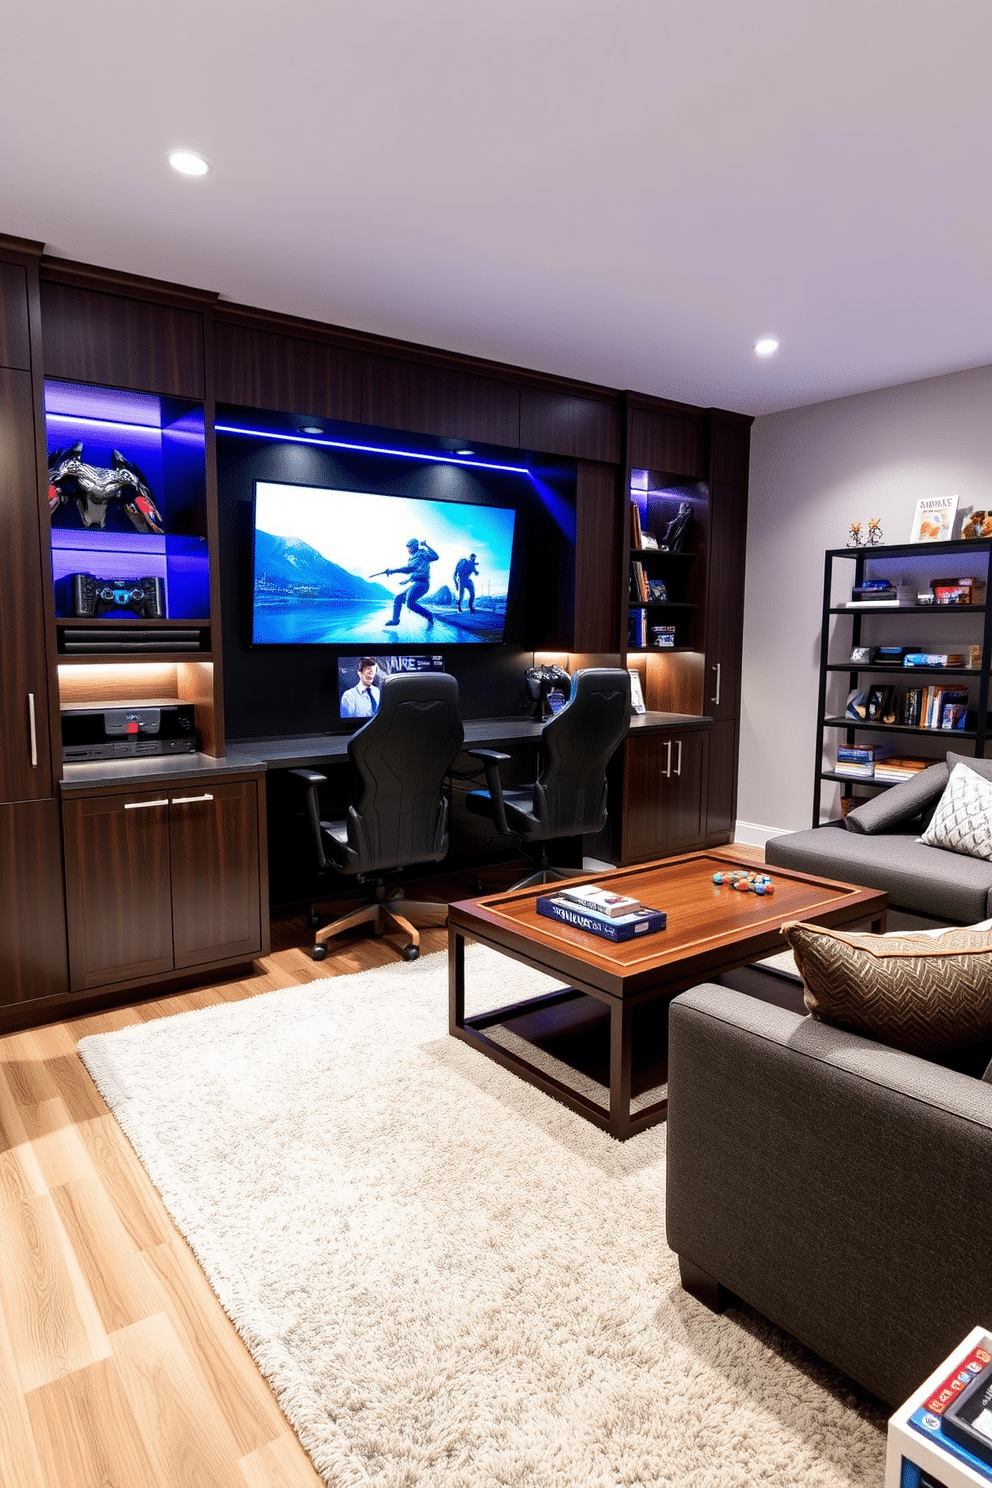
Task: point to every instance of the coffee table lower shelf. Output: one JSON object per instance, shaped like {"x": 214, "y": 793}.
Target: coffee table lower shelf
{"x": 588, "y": 1036}
{"x": 621, "y": 1047}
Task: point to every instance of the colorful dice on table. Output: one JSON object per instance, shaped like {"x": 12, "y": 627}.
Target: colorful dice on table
{"x": 746, "y": 882}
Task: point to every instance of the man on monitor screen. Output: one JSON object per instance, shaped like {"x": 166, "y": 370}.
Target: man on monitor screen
{"x": 464, "y": 569}
{"x": 422, "y": 555}
{"x": 362, "y": 700}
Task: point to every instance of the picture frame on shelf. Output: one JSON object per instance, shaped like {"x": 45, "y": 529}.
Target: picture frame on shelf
{"x": 657, "y": 591}
{"x": 878, "y": 705}
{"x": 933, "y": 519}
{"x": 636, "y": 695}
{"x": 862, "y": 655}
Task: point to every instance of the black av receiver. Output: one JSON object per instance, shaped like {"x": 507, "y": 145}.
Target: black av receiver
{"x": 116, "y": 731}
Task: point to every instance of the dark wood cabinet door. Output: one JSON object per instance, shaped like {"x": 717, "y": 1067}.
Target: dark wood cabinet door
{"x": 725, "y": 600}
{"x": 118, "y": 887}
{"x": 216, "y": 905}
{"x": 32, "y": 911}
{"x": 91, "y": 336}
{"x": 25, "y": 760}
{"x": 15, "y": 335}
{"x": 721, "y": 796}
{"x": 664, "y": 798}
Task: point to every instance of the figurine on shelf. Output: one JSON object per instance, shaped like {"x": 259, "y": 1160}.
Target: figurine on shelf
{"x": 676, "y": 535}
{"x": 94, "y": 487}
{"x": 874, "y": 531}
{"x": 854, "y": 535}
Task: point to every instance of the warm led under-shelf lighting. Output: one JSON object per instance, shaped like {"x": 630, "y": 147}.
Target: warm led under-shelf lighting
{"x": 766, "y": 346}
{"x": 187, "y": 163}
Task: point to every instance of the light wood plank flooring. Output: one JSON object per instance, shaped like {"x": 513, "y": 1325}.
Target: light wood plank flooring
{"x": 118, "y": 1366}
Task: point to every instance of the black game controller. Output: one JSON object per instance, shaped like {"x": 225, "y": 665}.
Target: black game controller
{"x": 93, "y": 596}
{"x": 540, "y": 681}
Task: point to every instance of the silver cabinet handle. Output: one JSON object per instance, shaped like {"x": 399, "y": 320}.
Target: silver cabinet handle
{"x": 187, "y": 800}
{"x": 33, "y": 731}
{"x": 716, "y": 696}
{"x": 678, "y": 767}
{"x": 667, "y": 772}
{"x": 144, "y": 805}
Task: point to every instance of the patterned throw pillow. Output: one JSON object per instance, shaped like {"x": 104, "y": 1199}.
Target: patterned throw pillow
{"x": 962, "y": 818}
{"x": 923, "y": 994}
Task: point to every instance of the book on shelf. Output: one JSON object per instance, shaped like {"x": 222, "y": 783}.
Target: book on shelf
{"x": 912, "y": 707}
{"x": 863, "y": 753}
{"x": 640, "y": 581}
{"x": 637, "y": 628}
{"x": 901, "y": 767}
{"x": 636, "y": 536}
{"x": 941, "y": 658}
{"x": 889, "y": 603}
{"x": 606, "y": 901}
{"x": 644, "y": 922}
{"x": 859, "y": 760}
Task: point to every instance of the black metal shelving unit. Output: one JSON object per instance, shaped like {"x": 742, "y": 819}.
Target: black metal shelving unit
{"x": 969, "y": 558}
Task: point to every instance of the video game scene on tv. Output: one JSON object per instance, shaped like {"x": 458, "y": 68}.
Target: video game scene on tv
{"x": 354, "y": 568}
{"x": 360, "y": 678}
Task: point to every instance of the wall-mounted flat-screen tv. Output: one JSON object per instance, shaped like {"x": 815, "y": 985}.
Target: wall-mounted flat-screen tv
{"x": 357, "y": 568}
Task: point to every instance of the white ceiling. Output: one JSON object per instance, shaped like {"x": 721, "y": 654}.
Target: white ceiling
{"x": 624, "y": 191}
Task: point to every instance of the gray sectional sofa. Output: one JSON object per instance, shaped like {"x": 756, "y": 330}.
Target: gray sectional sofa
{"x": 878, "y": 849}
{"x": 841, "y": 1188}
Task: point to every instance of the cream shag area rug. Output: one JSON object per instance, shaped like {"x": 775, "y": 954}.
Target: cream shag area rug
{"x": 450, "y": 1280}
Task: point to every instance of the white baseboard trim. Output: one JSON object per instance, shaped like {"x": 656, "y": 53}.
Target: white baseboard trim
{"x": 753, "y": 834}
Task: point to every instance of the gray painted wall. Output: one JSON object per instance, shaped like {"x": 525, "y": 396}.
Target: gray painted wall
{"x": 814, "y": 470}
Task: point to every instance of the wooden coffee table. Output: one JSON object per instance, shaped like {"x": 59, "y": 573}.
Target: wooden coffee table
{"x": 711, "y": 929}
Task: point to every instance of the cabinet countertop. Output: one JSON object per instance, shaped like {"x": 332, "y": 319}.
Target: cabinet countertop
{"x": 154, "y": 770}
{"x": 302, "y": 750}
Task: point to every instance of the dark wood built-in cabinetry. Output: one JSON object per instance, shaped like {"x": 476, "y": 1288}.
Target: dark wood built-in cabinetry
{"x": 156, "y": 892}
{"x": 32, "y": 913}
{"x": 163, "y": 879}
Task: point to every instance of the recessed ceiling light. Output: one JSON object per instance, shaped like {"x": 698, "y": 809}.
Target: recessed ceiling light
{"x": 766, "y": 346}
{"x": 464, "y": 451}
{"x": 187, "y": 163}
{"x": 311, "y": 428}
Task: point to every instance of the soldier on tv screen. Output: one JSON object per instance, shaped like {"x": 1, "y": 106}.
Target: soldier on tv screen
{"x": 465, "y": 568}
{"x": 418, "y": 569}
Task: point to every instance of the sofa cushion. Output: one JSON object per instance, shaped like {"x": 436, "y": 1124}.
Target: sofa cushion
{"x": 962, "y": 820}
{"x": 920, "y": 993}
{"x": 943, "y": 886}
{"x": 981, "y": 767}
{"x": 901, "y": 803}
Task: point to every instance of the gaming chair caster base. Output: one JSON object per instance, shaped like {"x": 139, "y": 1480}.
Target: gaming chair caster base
{"x": 316, "y": 921}
{"x": 318, "y": 953}
{"x": 410, "y": 952}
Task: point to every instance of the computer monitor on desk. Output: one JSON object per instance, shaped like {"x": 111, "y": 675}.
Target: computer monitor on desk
{"x": 360, "y": 680}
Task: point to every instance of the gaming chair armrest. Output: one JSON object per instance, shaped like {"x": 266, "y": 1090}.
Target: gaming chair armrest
{"x": 491, "y": 759}
{"x": 312, "y": 779}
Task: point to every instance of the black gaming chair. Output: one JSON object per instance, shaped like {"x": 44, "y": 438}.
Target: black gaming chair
{"x": 569, "y": 795}
{"x": 400, "y": 815}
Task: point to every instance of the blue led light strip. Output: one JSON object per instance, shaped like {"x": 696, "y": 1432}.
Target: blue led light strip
{"x": 372, "y": 449}
{"x": 85, "y": 418}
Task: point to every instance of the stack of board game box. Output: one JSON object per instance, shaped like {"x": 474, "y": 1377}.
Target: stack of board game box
{"x": 601, "y": 911}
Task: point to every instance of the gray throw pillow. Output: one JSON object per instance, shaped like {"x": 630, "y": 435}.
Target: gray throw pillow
{"x": 902, "y": 802}
{"x": 962, "y": 822}
{"x": 981, "y": 767}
